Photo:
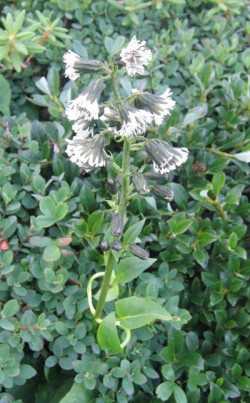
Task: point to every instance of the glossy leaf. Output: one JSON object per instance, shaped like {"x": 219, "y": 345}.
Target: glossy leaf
{"x": 107, "y": 335}
{"x": 134, "y": 312}
{"x": 130, "y": 268}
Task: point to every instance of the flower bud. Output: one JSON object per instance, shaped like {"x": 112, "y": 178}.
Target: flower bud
{"x": 163, "y": 192}
{"x": 116, "y": 224}
{"x": 111, "y": 185}
{"x": 104, "y": 246}
{"x": 116, "y": 245}
{"x": 140, "y": 183}
{"x": 138, "y": 251}
{"x": 155, "y": 176}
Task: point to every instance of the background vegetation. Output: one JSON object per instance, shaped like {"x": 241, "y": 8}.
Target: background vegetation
{"x": 48, "y": 349}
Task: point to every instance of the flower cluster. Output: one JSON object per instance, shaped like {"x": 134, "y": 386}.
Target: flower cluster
{"x": 128, "y": 119}
{"x": 87, "y": 153}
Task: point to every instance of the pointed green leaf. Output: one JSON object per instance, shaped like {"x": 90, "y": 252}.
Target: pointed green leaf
{"x": 130, "y": 268}
{"x": 134, "y": 312}
{"x": 95, "y": 221}
{"x": 109, "y": 43}
{"x": 5, "y": 101}
{"x": 165, "y": 390}
{"x": 17, "y": 61}
{"x": 26, "y": 371}
{"x": 78, "y": 394}
{"x": 118, "y": 44}
{"x": 53, "y": 80}
{"x": 20, "y": 47}
{"x": 133, "y": 232}
{"x": 218, "y": 182}
{"x": 107, "y": 335}
{"x": 18, "y": 23}
{"x": 194, "y": 114}
{"x": 4, "y": 51}
{"x": 42, "y": 84}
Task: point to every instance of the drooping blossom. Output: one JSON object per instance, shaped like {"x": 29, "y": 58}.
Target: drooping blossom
{"x": 85, "y": 106}
{"x": 159, "y": 105}
{"x": 83, "y": 127}
{"x": 133, "y": 121}
{"x": 165, "y": 157}
{"x": 75, "y": 65}
{"x": 87, "y": 153}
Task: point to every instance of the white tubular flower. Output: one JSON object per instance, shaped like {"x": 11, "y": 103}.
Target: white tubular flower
{"x": 85, "y": 106}
{"x": 135, "y": 56}
{"x": 87, "y": 153}
{"x": 83, "y": 127}
{"x": 75, "y": 65}
{"x": 159, "y": 105}
{"x": 111, "y": 118}
{"x": 134, "y": 121}
{"x": 165, "y": 158}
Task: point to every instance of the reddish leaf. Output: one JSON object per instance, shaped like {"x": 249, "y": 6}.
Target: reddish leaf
{"x": 4, "y": 245}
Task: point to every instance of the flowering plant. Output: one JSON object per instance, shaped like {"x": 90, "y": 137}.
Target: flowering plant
{"x": 122, "y": 120}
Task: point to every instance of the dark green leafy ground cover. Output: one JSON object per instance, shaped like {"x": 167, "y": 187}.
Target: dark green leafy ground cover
{"x": 53, "y": 218}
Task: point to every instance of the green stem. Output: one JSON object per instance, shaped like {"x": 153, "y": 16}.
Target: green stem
{"x": 125, "y": 177}
{"x": 126, "y": 155}
{"x": 122, "y": 210}
{"x": 105, "y": 285}
{"x": 114, "y": 88}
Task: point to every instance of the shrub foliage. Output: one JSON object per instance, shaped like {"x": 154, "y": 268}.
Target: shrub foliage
{"x": 53, "y": 218}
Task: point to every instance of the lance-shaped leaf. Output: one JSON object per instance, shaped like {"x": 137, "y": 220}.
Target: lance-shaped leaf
{"x": 107, "y": 335}
{"x": 133, "y": 232}
{"x": 134, "y": 312}
{"x": 130, "y": 268}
